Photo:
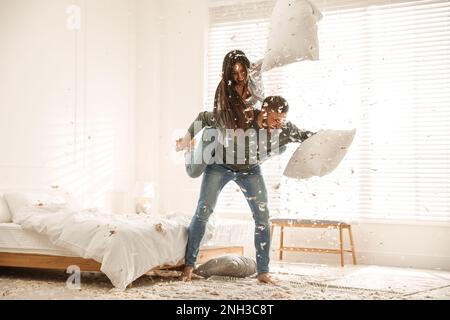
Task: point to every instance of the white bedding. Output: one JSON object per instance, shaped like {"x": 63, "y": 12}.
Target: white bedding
{"x": 126, "y": 246}
{"x": 14, "y": 239}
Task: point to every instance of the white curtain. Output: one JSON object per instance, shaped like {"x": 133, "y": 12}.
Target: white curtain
{"x": 384, "y": 69}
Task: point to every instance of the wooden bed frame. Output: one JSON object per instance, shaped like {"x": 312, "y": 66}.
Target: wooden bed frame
{"x": 40, "y": 261}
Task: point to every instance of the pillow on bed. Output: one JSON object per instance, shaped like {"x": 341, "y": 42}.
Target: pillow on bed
{"x": 19, "y": 200}
{"x": 229, "y": 266}
{"x": 293, "y": 34}
{"x": 320, "y": 154}
{"x": 5, "y": 215}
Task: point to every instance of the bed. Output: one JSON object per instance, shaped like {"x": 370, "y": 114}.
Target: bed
{"x": 27, "y": 249}
{"x": 50, "y": 238}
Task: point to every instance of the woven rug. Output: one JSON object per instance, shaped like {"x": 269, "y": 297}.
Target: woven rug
{"x": 38, "y": 284}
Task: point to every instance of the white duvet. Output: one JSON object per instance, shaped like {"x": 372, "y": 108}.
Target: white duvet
{"x": 126, "y": 246}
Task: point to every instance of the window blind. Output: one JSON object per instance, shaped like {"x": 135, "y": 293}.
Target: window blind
{"x": 384, "y": 69}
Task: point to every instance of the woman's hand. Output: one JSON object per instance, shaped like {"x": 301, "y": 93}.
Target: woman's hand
{"x": 185, "y": 143}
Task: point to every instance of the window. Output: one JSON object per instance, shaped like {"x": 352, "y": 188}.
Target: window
{"x": 384, "y": 69}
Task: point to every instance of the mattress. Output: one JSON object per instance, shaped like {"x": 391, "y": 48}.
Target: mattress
{"x": 14, "y": 239}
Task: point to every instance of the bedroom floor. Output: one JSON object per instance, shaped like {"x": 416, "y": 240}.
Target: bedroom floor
{"x": 296, "y": 281}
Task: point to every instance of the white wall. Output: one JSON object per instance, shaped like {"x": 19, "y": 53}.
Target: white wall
{"x": 180, "y": 26}
{"x": 183, "y": 43}
{"x": 148, "y": 93}
{"x": 76, "y": 103}
{"x": 67, "y": 96}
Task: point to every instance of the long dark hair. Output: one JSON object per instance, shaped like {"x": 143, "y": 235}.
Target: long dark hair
{"x": 229, "y": 107}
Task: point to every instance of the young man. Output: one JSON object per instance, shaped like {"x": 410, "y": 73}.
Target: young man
{"x": 272, "y": 116}
{"x": 237, "y": 157}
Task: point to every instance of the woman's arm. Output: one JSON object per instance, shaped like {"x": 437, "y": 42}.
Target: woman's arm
{"x": 255, "y": 84}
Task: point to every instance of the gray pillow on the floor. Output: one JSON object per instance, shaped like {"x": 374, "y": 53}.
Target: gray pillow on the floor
{"x": 228, "y": 266}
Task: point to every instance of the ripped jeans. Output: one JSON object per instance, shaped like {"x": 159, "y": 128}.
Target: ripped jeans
{"x": 252, "y": 184}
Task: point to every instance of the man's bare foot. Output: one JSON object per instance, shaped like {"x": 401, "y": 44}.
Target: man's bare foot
{"x": 187, "y": 273}
{"x": 265, "y": 278}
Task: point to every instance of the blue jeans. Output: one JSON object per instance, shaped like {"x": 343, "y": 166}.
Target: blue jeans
{"x": 252, "y": 184}
{"x": 195, "y": 161}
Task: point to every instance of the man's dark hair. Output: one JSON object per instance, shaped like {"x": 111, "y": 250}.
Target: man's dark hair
{"x": 276, "y": 103}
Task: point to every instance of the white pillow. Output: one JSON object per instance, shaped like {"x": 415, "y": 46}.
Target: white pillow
{"x": 320, "y": 154}
{"x": 19, "y": 200}
{"x": 5, "y": 215}
{"x": 293, "y": 33}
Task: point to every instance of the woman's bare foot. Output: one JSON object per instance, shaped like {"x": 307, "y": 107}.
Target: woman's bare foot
{"x": 265, "y": 278}
{"x": 187, "y": 273}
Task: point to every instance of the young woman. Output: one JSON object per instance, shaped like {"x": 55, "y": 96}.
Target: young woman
{"x": 238, "y": 93}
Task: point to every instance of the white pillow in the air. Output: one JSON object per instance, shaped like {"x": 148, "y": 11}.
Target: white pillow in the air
{"x": 293, "y": 34}
{"x": 320, "y": 154}
{"x": 5, "y": 215}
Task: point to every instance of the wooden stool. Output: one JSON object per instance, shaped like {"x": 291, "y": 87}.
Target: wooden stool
{"x": 305, "y": 223}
